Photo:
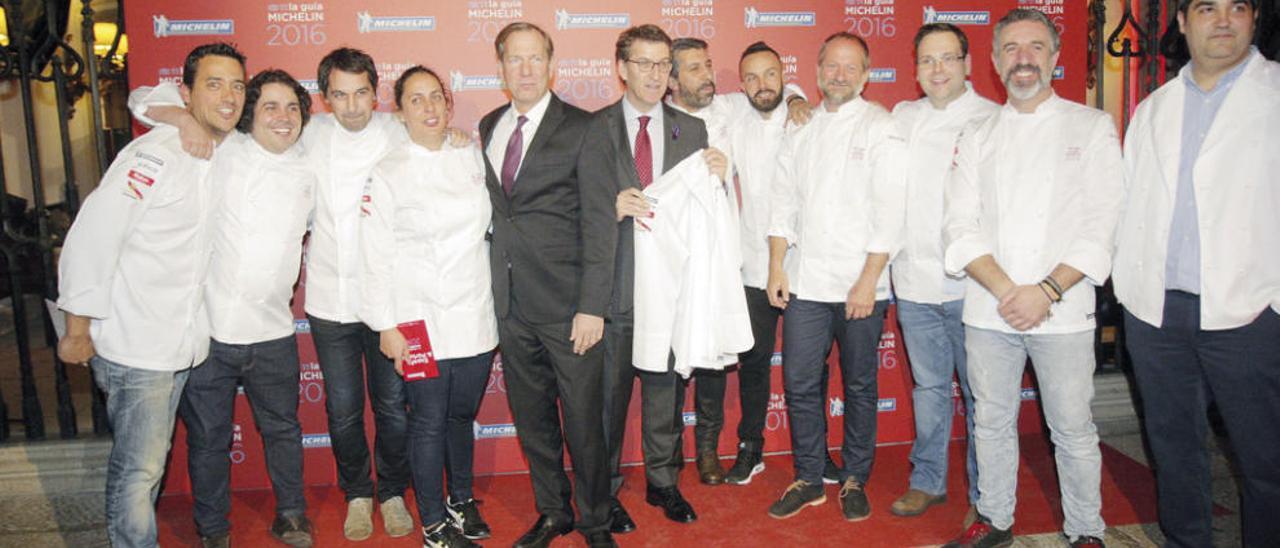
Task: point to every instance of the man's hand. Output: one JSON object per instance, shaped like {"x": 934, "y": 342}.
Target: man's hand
{"x": 392, "y": 344}
{"x": 799, "y": 111}
{"x": 631, "y": 203}
{"x": 778, "y": 288}
{"x": 196, "y": 139}
{"x": 861, "y": 300}
{"x": 76, "y": 349}
{"x": 586, "y": 332}
{"x": 1024, "y": 307}
{"x": 717, "y": 162}
{"x": 458, "y": 138}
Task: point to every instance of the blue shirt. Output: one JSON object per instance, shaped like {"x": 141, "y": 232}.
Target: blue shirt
{"x": 1182, "y": 264}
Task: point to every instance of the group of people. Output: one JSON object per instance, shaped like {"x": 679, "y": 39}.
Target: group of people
{"x": 994, "y": 223}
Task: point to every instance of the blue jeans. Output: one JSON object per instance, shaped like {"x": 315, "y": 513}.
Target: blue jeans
{"x": 1064, "y": 367}
{"x": 1181, "y": 369}
{"x": 442, "y": 411}
{"x": 934, "y": 336}
{"x": 140, "y": 407}
{"x": 808, "y": 329}
{"x": 269, "y": 372}
{"x": 345, "y": 352}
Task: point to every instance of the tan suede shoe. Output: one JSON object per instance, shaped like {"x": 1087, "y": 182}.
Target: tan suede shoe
{"x": 915, "y": 502}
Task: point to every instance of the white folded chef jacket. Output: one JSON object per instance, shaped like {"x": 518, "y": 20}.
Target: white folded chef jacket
{"x": 688, "y": 283}
{"x": 263, "y": 202}
{"x": 342, "y": 161}
{"x": 1034, "y": 191}
{"x": 424, "y": 254}
{"x": 932, "y": 135}
{"x": 839, "y": 195}
{"x": 137, "y": 255}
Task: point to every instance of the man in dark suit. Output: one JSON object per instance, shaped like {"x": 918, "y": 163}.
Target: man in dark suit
{"x": 644, "y": 138}
{"x": 552, "y": 267}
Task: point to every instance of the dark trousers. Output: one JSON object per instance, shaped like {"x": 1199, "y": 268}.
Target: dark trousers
{"x": 661, "y": 410}
{"x": 808, "y": 329}
{"x": 753, "y": 382}
{"x": 269, "y": 373}
{"x": 346, "y": 351}
{"x": 441, "y": 437}
{"x": 540, "y": 369}
{"x": 1181, "y": 369}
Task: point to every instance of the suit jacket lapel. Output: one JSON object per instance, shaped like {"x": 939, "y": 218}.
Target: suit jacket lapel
{"x": 622, "y": 145}
{"x": 550, "y": 121}
{"x": 670, "y": 156}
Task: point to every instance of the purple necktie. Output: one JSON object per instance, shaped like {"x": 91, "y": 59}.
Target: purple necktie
{"x": 511, "y": 161}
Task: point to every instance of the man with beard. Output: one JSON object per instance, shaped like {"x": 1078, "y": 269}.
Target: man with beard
{"x": 1031, "y": 209}
{"x": 929, "y": 301}
{"x": 838, "y": 199}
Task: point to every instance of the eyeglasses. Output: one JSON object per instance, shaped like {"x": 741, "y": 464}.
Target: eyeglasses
{"x": 646, "y": 65}
{"x": 947, "y": 59}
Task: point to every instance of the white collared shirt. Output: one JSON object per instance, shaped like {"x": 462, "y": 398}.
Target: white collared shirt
{"x": 506, "y": 125}
{"x": 1034, "y": 191}
{"x": 932, "y": 135}
{"x": 262, "y": 204}
{"x": 136, "y": 257}
{"x": 424, "y": 251}
{"x": 657, "y": 124}
{"x": 839, "y": 196}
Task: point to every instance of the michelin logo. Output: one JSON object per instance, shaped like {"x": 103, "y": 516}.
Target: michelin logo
{"x": 883, "y": 76}
{"x": 1028, "y": 394}
{"x": 486, "y": 431}
{"x": 366, "y": 23}
{"x": 690, "y": 418}
{"x": 1059, "y": 73}
{"x": 311, "y": 441}
{"x": 312, "y": 87}
{"x": 302, "y": 325}
{"x": 886, "y": 405}
{"x": 163, "y": 27}
{"x": 753, "y": 18}
{"x": 462, "y": 82}
{"x": 775, "y": 360}
{"x": 932, "y": 15}
{"x": 566, "y": 20}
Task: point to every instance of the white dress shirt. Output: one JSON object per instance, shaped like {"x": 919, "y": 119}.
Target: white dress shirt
{"x": 1237, "y": 199}
{"x": 506, "y": 125}
{"x": 932, "y": 135}
{"x": 657, "y": 124}
{"x": 1034, "y": 191}
{"x": 262, "y": 204}
{"x": 136, "y": 258}
{"x": 424, "y": 251}
{"x": 839, "y": 195}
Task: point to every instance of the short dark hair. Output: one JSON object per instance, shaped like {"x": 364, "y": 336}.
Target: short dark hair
{"x": 933, "y": 28}
{"x": 1184, "y": 5}
{"x": 253, "y": 92}
{"x": 500, "y": 43}
{"x": 758, "y": 47}
{"x": 1025, "y": 14}
{"x": 681, "y": 44}
{"x": 419, "y": 69}
{"x": 845, "y": 35}
{"x": 646, "y": 33}
{"x": 219, "y": 49}
{"x": 349, "y": 60}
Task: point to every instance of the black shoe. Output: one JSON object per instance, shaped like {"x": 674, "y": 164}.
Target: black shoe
{"x": 672, "y": 503}
{"x": 830, "y": 472}
{"x": 542, "y": 532}
{"x": 466, "y": 516}
{"x": 747, "y": 465}
{"x": 222, "y": 540}
{"x": 601, "y": 539}
{"x": 292, "y": 530}
{"x": 1087, "y": 541}
{"x": 619, "y": 520}
{"x": 982, "y": 535}
{"x": 798, "y": 495}
{"x": 445, "y": 535}
{"x": 853, "y": 501}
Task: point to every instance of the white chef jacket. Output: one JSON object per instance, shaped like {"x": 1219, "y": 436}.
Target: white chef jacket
{"x": 932, "y": 134}
{"x": 424, "y": 254}
{"x": 756, "y": 142}
{"x": 1237, "y": 201}
{"x": 1034, "y": 191}
{"x": 342, "y": 161}
{"x": 839, "y": 196}
{"x": 262, "y": 204}
{"x": 688, "y": 296}
{"x": 137, "y": 255}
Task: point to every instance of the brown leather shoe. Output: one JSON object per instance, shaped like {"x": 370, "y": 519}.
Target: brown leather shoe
{"x": 915, "y": 502}
{"x": 709, "y": 470}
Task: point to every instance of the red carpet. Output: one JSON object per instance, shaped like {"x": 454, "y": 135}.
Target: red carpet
{"x": 729, "y": 515}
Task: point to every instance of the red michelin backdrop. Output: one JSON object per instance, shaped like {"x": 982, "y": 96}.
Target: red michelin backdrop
{"x": 456, "y": 39}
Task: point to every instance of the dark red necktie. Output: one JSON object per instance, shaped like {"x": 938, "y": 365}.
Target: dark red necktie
{"x": 511, "y": 161}
{"x": 644, "y": 154}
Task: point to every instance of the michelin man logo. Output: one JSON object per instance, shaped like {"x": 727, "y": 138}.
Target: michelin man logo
{"x": 752, "y": 17}
{"x": 160, "y": 25}
{"x": 562, "y": 19}
{"x": 364, "y": 22}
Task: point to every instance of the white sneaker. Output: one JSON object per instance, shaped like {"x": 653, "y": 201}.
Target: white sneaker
{"x": 396, "y": 520}
{"x": 359, "y": 522}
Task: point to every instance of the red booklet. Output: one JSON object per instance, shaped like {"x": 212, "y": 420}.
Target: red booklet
{"x": 421, "y": 362}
